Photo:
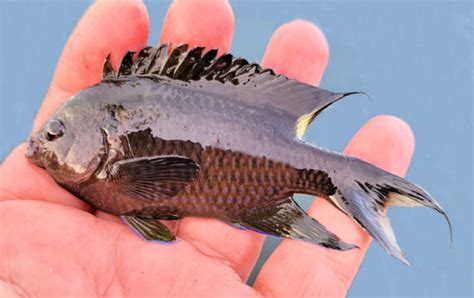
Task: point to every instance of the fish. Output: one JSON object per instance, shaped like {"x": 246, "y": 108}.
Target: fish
{"x": 180, "y": 131}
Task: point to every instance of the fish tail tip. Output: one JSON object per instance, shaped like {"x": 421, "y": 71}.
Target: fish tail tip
{"x": 406, "y": 262}
{"x": 450, "y": 227}
{"x": 400, "y": 255}
{"x": 437, "y": 207}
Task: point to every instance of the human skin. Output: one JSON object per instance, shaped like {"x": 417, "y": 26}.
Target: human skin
{"x": 52, "y": 243}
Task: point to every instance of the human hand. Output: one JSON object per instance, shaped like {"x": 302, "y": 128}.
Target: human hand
{"x": 53, "y": 243}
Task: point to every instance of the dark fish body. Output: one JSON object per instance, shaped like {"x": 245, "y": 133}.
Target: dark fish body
{"x": 143, "y": 127}
{"x": 186, "y": 134}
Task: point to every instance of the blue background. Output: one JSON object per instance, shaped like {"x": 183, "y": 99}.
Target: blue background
{"x": 415, "y": 58}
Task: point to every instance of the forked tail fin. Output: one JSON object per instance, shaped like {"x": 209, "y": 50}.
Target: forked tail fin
{"x": 364, "y": 193}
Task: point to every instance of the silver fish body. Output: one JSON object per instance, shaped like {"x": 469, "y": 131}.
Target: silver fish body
{"x": 184, "y": 134}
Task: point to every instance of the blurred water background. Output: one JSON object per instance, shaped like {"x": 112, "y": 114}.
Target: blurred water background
{"x": 415, "y": 59}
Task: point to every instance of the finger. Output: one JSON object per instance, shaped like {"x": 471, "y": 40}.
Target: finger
{"x": 106, "y": 27}
{"x": 22, "y": 180}
{"x": 242, "y": 248}
{"x": 299, "y": 50}
{"x": 184, "y": 25}
{"x": 52, "y": 250}
{"x": 304, "y": 269}
{"x": 208, "y": 23}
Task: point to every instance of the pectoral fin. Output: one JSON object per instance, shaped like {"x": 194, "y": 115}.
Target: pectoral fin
{"x": 153, "y": 177}
{"x": 287, "y": 219}
{"x": 149, "y": 229}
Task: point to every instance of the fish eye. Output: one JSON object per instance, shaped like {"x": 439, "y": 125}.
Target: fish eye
{"x": 54, "y": 129}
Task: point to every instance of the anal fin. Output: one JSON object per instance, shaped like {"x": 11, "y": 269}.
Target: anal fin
{"x": 149, "y": 229}
{"x": 286, "y": 219}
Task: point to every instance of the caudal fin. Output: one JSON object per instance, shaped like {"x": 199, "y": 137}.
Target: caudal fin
{"x": 365, "y": 192}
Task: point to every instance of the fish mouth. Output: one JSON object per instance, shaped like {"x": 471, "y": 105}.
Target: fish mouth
{"x": 33, "y": 152}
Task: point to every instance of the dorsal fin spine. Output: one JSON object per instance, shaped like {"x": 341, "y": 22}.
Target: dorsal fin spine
{"x": 157, "y": 63}
{"x": 172, "y": 61}
{"x": 126, "y": 65}
{"x": 107, "y": 70}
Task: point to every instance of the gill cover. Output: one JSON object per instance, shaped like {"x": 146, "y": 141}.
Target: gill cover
{"x": 230, "y": 77}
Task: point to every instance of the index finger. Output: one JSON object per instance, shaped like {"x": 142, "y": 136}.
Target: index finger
{"x": 309, "y": 49}
{"x": 106, "y": 27}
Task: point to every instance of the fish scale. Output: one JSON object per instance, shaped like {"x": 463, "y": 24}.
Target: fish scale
{"x": 260, "y": 181}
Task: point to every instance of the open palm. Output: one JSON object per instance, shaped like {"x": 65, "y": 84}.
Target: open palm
{"x": 53, "y": 243}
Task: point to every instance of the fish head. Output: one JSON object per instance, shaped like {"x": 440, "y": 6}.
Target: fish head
{"x": 68, "y": 146}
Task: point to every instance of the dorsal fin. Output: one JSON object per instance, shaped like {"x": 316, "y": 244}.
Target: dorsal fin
{"x": 126, "y": 65}
{"x": 107, "y": 70}
{"x": 257, "y": 86}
